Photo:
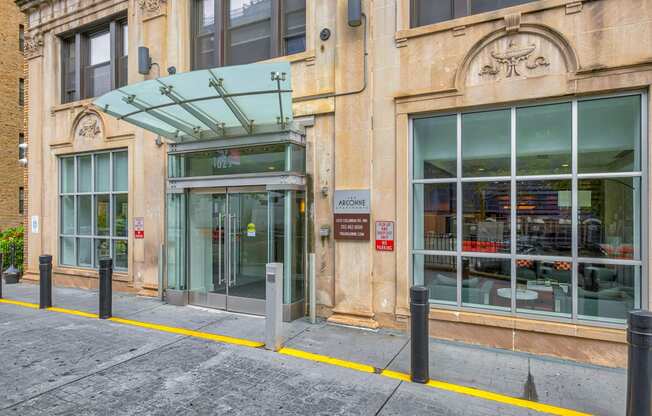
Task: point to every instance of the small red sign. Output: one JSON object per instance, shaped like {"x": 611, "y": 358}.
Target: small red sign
{"x": 385, "y": 235}
{"x": 139, "y": 234}
{"x": 139, "y": 228}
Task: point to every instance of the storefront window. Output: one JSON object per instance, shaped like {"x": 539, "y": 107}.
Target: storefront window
{"x": 93, "y": 209}
{"x": 538, "y": 211}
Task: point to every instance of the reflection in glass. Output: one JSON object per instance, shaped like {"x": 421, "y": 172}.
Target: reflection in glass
{"x": 102, "y": 172}
{"x": 84, "y": 174}
{"x": 435, "y": 147}
{"x": 543, "y": 215}
{"x": 85, "y": 252}
{"x": 176, "y": 241}
{"x": 68, "y": 175}
{"x": 102, "y": 250}
{"x": 434, "y": 216}
{"x": 544, "y": 286}
{"x": 295, "y": 26}
{"x": 607, "y": 291}
{"x": 84, "y": 214}
{"x": 67, "y": 215}
{"x": 543, "y": 139}
{"x": 249, "y": 31}
{"x": 438, "y": 274}
{"x": 120, "y": 172}
{"x": 120, "y": 254}
{"x": 486, "y": 224}
{"x": 486, "y": 143}
{"x": 609, "y": 134}
{"x": 120, "y": 214}
{"x": 608, "y": 213}
{"x": 297, "y": 237}
{"x": 486, "y": 282}
{"x": 100, "y": 48}
{"x": 102, "y": 215}
{"x": 67, "y": 254}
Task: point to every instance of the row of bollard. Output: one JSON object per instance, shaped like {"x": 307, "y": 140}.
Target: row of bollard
{"x": 106, "y": 292}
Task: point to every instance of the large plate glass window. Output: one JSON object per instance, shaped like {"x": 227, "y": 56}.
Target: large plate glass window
{"x": 93, "y": 206}
{"x": 533, "y": 209}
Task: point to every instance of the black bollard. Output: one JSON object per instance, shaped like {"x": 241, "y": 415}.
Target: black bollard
{"x": 2, "y": 259}
{"x": 106, "y": 293}
{"x": 45, "y": 281}
{"x": 419, "y": 308}
{"x": 639, "y": 367}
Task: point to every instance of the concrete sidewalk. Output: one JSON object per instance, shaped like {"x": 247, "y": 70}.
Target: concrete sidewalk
{"x": 584, "y": 388}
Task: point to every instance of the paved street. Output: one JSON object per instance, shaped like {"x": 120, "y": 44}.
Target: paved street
{"x": 58, "y": 364}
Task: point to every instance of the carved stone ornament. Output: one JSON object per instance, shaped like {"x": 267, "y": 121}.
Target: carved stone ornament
{"x": 89, "y": 127}
{"x": 33, "y": 45}
{"x": 151, "y": 6}
{"x": 511, "y": 59}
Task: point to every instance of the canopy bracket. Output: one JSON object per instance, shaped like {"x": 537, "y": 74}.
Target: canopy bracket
{"x": 214, "y": 125}
{"x": 278, "y": 77}
{"x": 218, "y": 85}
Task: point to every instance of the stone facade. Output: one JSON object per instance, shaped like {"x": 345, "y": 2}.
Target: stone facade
{"x": 11, "y": 114}
{"x": 360, "y": 135}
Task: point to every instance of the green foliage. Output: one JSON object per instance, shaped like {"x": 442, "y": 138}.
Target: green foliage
{"x": 9, "y": 237}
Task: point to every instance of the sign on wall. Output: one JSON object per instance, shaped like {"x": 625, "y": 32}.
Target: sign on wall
{"x": 34, "y": 223}
{"x": 351, "y": 214}
{"x": 385, "y": 235}
{"x": 139, "y": 228}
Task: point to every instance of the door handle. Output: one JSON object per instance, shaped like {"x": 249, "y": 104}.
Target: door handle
{"x": 220, "y": 278}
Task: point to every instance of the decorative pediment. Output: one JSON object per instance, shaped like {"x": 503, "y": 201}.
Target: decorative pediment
{"x": 516, "y": 52}
{"x": 152, "y": 8}
{"x": 88, "y": 127}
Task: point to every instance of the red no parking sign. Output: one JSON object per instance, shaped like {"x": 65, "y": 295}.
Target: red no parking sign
{"x": 385, "y": 235}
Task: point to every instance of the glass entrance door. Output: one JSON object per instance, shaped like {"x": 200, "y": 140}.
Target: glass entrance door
{"x": 228, "y": 244}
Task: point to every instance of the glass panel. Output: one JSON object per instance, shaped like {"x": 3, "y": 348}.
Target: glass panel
{"x": 544, "y": 286}
{"x": 439, "y": 275}
{"x": 102, "y": 212}
{"x": 84, "y": 214}
{"x": 249, "y": 31}
{"x": 431, "y": 11}
{"x": 85, "y": 248}
{"x": 232, "y": 161}
{"x": 125, "y": 39}
{"x": 298, "y": 158}
{"x": 67, "y": 255}
{"x": 120, "y": 254}
{"x": 543, "y": 139}
{"x": 486, "y": 223}
{"x": 103, "y": 172}
{"x": 84, "y": 173}
{"x": 98, "y": 80}
{"x": 206, "y": 14}
{"x": 68, "y": 215}
{"x": 435, "y": 147}
{"x": 69, "y": 73}
{"x": 100, "y": 48}
{"x": 609, "y": 134}
{"x": 120, "y": 172}
{"x": 102, "y": 250}
{"x": 295, "y": 26}
{"x": 486, "y": 143}
{"x": 609, "y": 218}
{"x": 434, "y": 221}
{"x": 480, "y": 6}
{"x": 120, "y": 215}
{"x": 68, "y": 175}
{"x": 543, "y": 217}
{"x": 176, "y": 241}
{"x": 607, "y": 291}
{"x": 277, "y": 227}
{"x": 200, "y": 223}
{"x": 298, "y": 245}
{"x": 486, "y": 282}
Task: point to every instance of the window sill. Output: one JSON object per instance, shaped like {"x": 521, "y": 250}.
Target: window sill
{"x": 482, "y": 18}
{"x": 68, "y": 106}
{"x": 307, "y": 56}
{"x": 121, "y": 276}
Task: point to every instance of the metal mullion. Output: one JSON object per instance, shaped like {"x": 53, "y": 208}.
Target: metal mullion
{"x": 513, "y": 212}
{"x": 536, "y": 257}
{"x": 644, "y": 204}
{"x": 486, "y": 255}
{"x": 459, "y": 214}
{"x": 543, "y": 177}
{"x": 574, "y": 214}
{"x": 608, "y": 261}
{"x": 434, "y": 180}
{"x": 435, "y": 252}
{"x": 487, "y": 179}
{"x": 609, "y": 175}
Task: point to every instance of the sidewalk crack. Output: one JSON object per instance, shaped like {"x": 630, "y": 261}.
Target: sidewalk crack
{"x": 388, "y": 398}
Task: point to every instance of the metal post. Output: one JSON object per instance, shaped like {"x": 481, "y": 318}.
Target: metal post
{"x": 273, "y": 306}
{"x": 312, "y": 287}
{"x": 45, "y": 281}
{"x": 419, "y": 309}
{"x": 639, "y": 368}
{"x": 106, "y": 277}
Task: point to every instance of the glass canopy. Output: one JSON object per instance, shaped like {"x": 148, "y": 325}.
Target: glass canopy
{"x": 207, "y": 104}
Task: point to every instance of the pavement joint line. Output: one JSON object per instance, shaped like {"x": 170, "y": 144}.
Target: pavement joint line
{"x": 440, "y": 385}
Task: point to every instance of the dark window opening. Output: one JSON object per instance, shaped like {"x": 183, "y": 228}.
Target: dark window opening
{"x": 233, "y": 32}
{"x": 21, "y": 151}
{"x": 21, "y": 38}
{"x": 21, "y": 92}
{"x": 21, "y": 200}
{"x": 426, "y": 12}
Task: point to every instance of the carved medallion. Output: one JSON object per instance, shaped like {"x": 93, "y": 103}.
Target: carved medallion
{"x": 33, "y": 45}
{"x": 89, "y": 128}
{"x": 511, "y": 59}
{"x": 151, "y": 6}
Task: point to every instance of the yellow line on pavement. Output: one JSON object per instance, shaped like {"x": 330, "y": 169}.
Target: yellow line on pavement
{"x": 19, "y": 303}
{"x": 326, "y": 359}
{"x": 191, "y": 333}
{"x": 469, "y": 391}
{"x": 487, "y": 395}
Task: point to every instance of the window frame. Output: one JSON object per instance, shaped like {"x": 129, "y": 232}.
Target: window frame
{"x": 221, "y": 32}
{"x": 644, "y": 232}
{"x": 21, "y": 92}
{"x": 459, "y": 8}
{"x": 21, "y": 200}
{"x": 79, "y": 39}
{"x": 93, "y": 236}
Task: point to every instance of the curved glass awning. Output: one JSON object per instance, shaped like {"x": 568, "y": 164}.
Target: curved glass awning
{"x": 207, "y": 104}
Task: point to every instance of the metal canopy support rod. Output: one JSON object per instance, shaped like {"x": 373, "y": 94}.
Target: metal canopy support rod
{"x": 200, "y": 115}
{"x": 218, "y": 85}
{"x": 189, "y": 130}
{"x": 278, "y": 77}
{"x": 160, "y": 132}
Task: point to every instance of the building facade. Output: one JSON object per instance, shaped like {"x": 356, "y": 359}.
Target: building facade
{"x": 495, "y": 152}
{"x": 12, "y": 106}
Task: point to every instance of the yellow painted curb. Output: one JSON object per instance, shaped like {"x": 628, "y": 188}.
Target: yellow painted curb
{"x": 73, "y": 312}
{"x": 191, "y": 333}
{"x": 486, "y": 395}
{"x": 19, "y": 303}
{"x": 326, "y": 359}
